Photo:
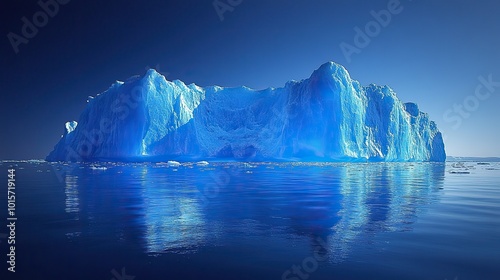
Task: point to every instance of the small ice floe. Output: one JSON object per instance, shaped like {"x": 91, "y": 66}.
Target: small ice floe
{"x": 460, "y": 168}
{"x": 458, "y": 165}
{"x": 248, "y": 165}
{"x": 202, "y": 163}
{"x": 172, "y": 163}
{"x": 93, "y": 167}
{"x": 459, "y": 172}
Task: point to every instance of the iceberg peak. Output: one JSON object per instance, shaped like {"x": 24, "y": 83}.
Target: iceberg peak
{"x": 331, "y": 69}
{"x": 151, "y": 73}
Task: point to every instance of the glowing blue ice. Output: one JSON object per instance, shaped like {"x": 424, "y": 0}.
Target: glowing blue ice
{"x": 328, "y": 117}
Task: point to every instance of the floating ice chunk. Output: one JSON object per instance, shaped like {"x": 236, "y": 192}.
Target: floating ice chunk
{"x": 172, "y": 163}
{"x": 94, "y": 167}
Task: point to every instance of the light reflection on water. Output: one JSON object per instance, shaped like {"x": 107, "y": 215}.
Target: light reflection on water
{"x": 178, "y": 210}
{"x": 71, "y": 191}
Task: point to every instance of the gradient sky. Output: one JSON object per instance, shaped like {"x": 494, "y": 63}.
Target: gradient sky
{"x": 431, "y": 53}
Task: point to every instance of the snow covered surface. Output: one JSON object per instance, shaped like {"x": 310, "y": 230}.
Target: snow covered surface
{"x": 327, "y": 117}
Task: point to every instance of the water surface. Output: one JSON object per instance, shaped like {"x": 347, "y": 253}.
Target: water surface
{"x": 256, "y": 221}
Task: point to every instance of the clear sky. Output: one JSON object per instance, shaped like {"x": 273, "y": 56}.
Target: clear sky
{"x": 433, "y": 53}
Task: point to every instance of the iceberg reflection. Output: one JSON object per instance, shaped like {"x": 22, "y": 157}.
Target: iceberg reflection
{"x": 182, "y": 209}
{"x": 342, "y": 203}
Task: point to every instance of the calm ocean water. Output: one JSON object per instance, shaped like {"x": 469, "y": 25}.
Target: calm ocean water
{"x": 254, "y": 221}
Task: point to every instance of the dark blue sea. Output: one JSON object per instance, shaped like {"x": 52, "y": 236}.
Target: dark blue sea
{"x": 243, "y": 221}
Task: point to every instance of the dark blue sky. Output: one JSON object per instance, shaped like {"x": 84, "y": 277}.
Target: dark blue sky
{"x": 430, "y": 52}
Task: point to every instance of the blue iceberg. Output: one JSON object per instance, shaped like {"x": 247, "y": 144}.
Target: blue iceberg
{"x": 327, "y": 117}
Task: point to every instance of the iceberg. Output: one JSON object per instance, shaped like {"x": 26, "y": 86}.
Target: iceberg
{"x": 326, "y": 117}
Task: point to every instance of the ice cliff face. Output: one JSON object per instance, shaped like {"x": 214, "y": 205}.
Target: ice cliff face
{"x": 328, "y": 117}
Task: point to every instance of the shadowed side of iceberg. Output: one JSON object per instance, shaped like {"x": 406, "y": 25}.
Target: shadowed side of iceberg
{"x": 327, "y": 117}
